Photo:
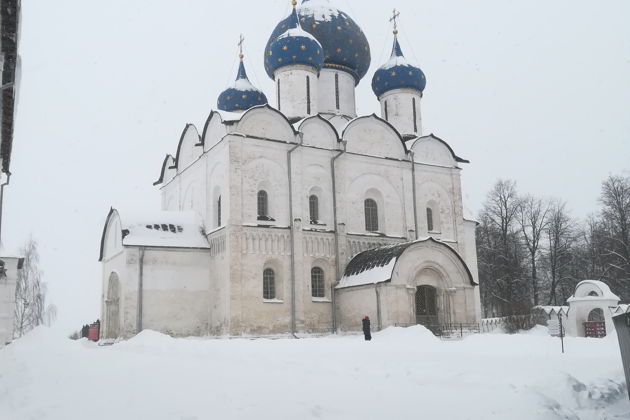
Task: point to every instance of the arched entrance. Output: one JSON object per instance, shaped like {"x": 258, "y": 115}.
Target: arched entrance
{"x": 596, "y": 324}
{"x": 112, "y": 307}
{"x": 426, "y": 305}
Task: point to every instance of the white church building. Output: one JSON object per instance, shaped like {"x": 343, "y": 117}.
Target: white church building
{"x": 300, "y": 217}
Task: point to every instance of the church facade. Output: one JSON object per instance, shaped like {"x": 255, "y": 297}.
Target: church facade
{"x": 301, "y": 217}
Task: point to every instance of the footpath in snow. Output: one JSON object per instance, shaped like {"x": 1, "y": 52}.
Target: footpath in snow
{"x": 403, "y": 373}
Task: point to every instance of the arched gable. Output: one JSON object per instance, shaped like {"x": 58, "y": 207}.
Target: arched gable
{"x": 434, "y": 151}
{"x": 168, "y": 171}
{"x": 189, "y": 148}
{"x": 340, "y": 122}
{"x": 267, "y": 123}
{"x": 111, "y": 239}
{"x": 374, "y": 136}
{"x": 213, "y": 130}
{"x": 431, "y": 255}
{"x": 318, "y": 132}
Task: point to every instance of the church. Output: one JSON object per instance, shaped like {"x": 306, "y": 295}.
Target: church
{"x": 299, "y": 216}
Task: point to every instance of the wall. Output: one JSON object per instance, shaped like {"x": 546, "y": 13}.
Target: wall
{"x": 7, "y": 299}
{"x": 175, "y": 290}
{"x": 291, "y": 91}
{"x": 327, "y": 97}
{"x": 400, "y": 113}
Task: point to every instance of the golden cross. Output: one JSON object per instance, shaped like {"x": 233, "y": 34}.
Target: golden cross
{"x": 240, "y": 45}
{"x": 393, "y": 19}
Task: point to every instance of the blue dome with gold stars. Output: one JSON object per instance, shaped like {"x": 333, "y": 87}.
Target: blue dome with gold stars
{"x": 397, "y": 73}
{"x": 242, "y": 95}
{"x": 344, "y": 44}
{"x": 294, "y": 46}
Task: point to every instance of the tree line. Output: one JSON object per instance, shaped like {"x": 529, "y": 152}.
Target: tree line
{"x": 531, "y": 251}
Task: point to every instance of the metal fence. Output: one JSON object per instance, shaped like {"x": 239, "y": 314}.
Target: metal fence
{"x": 507, "y": 324}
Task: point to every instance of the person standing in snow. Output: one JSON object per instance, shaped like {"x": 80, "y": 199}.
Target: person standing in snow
{"x": 366, "y": 328}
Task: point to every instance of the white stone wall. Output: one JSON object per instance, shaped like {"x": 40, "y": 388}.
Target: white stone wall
{"x": 176, "y": 292}
{"x": 7, "y": 299}
{"x": 251, "y": 155}
{"x": 397, "y": 108}
{"x": 340, "y": 93}
{"x": 296, "y": 91}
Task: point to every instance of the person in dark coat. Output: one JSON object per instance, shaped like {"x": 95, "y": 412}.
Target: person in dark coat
{"x": 366, "y": 328}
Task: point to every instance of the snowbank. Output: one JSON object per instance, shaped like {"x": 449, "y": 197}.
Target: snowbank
{"x": 400, "y": 373}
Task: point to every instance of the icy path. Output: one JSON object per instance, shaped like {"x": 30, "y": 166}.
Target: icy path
{"x": 401, "y": 374}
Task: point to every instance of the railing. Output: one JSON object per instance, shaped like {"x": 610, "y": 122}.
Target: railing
{"x": 507, "y": 324}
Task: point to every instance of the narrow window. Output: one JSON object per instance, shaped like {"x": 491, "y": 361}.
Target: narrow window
{"x": 386, "y": 113}
{"x": 262, "y": 205}
{"x": 278, "y": 94}
{"x": 219, "y": 212}
{"x": 337, "y": 90}
{"x": 371, "y": 215}
{"x": 269, "y": 284}
{"x": 429, "y": 219}
{"x": 317, "y": 282}
{"x": 415, "y": 116}
{"x": 313, "y": 208}
{"x": 308, "y": 95}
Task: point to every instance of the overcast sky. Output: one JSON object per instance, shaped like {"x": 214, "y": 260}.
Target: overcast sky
{"x": 537, "y": 91}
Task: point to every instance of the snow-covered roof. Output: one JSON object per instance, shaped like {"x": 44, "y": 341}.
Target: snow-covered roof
{"x": 164, "y": 229}
{"x": 179, "y": 229}
{"x": 592, "y": 290}
{"x": 321, "y": 10}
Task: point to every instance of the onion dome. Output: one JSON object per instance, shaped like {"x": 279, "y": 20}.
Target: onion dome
{"x": 242, "y": 95}
{"x": 397, "y": 73}
{"x": 294, "y": 46}
{"x": 344, "y": 44}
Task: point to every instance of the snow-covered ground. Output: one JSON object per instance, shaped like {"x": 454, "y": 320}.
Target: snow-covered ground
{"x": 400, "y": 374}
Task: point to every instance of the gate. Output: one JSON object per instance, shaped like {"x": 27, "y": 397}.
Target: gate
{"x": 426, "y": 305}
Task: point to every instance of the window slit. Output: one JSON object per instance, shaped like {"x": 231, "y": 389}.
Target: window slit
{"x": 415, "y": 116}
{"x": 337, "y": 90}
{"x": 308, "y": 95}
{"x": 278, "y": 94}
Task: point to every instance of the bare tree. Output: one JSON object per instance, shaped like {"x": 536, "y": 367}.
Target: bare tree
{"x": 500, "y": 253}
{"x": 615, "y": 231}
{"x": 30, "y": 294}
{"x": 561, "y": 236}
{"x": 533, "y": 220}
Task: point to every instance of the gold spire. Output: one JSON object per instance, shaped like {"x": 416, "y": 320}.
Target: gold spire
{"x": 394, "y": 19}
{"x": 294, "y": 3}
{"x": 240, "y": 47}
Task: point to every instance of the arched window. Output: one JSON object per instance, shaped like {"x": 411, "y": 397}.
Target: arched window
{"x": 430, "y": 219}
{"x": 219, "y": 211}
{"x": 313, "y": 208}
{"x": 317, "y": 282}
{"x": 263, "y": 208}
{"x": 371, "y": 215}
{"x": 269, "y": 284}
{"x": 596, "y": 315}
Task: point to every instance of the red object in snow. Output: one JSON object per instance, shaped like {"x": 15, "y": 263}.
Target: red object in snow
{"x": 93, "y": 332}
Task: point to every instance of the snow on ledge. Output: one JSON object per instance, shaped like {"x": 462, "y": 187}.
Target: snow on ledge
{"x": 172, "y": 229}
